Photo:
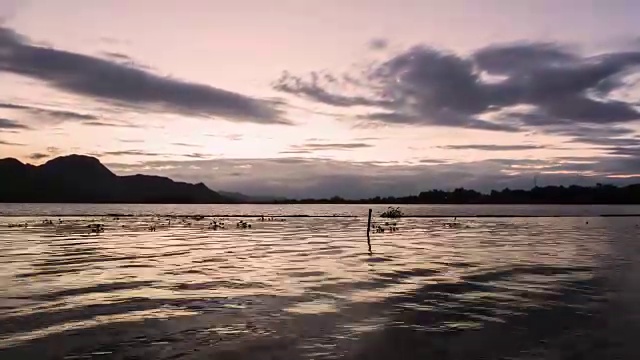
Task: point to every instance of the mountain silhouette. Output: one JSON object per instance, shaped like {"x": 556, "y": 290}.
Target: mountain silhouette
{"x": 83, "y": 179}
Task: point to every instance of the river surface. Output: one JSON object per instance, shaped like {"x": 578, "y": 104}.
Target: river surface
{"x": 308, "y": 287}
{"x": 314, "y": 210}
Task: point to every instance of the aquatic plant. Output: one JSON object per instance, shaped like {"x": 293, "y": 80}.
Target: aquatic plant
{"x": 215, "y": 225}
{"x": 452, "y": 224}
{"x": 96, "y": 228}
{"x": 392, "y": 213}
{"x": 243, "y": 225}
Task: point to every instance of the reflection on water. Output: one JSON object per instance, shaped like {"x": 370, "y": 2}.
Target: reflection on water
{"x": 533, "y": 288}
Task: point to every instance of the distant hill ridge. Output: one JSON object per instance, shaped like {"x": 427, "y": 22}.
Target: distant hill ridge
{"x": 83, "y": 179}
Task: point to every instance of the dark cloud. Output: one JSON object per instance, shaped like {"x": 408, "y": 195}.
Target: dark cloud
{"x": 633, "y": 152}
{"x": 426, "y": 86}
{"x": 126, "y": 85}
{"x": 56, "y": 114}
{"x": 312, "y": 89}
{"x": 366, "y": 138}
{"x": 144, "y": 153}
{"x": 11, "y": 125}
{"x": 38, "y": 156}
{"x": 518, "y": 58}
{"x": 125, "y": 60}
{"x": 329, "y": 146}
{"x": 184, "y": 144}
{"x": 609, "y": 141}
{"x": 129, "y": 153}
{"x": 601, "y": 136}
{"x": 433, "y": 161}
{"x": 9, "y": 143}
{"x": 557, "y": 81}
{"x": 196, "y": 155}
{"x": 109, "y": 124}
{"x": 486, "y": 147}
{"x": 117, "y": 56}
{"x": 439, "y": 118}
{"x": 568, "y": 128}
{"x": 313, "y": 177}
{"x": 293, "y": 152}
{"x": 130, "y": 141}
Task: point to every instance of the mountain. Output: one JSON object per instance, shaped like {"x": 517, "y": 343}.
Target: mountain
{"x": 83, "y": 179}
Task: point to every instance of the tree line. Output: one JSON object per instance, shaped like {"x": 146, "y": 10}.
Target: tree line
{"x": 599, "y": 194}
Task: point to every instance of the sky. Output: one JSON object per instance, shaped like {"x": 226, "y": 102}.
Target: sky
{"x": 314, "y": 98}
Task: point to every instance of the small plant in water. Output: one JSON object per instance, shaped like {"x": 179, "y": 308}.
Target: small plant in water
{"x": 392, "y": 213}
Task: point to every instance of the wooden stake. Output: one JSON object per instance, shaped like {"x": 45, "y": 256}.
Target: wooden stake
{"x": 368, "y": 230}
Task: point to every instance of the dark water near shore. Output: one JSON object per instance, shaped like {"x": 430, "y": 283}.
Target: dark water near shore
{"x": 313, "y": 210}
{"x": 307, "y": 288}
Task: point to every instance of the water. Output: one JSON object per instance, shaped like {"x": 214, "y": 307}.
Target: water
{"x": 307, "y": 288}
{"x": 314, "y": 210}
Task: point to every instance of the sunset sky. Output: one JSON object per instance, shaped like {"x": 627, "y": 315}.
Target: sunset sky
{"x": 334, "y": 97}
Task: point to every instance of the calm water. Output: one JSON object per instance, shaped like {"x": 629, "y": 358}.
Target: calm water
{"x": 307, "y": 288}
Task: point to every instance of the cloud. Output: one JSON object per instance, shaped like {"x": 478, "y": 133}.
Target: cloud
{"x": 38, "y": 156}
{"x": 438, "y": 118}
{"x": 11, "y": 125}
{"x": 487, "y": 147}
{"x": 109, "y": 124}
{"x": 197, "y": 155}
{"x": 56, "y": 114}
{"x": 633, "y": 152}
{"x": 310, "y": 147}
{"x": 378, "y": 44}
{"x": 53, "y": 150}
{"x": 9, "y": 143}
{"x": 609, "y": 141}
{"x": 129, "y": 153}
{"x": 313, "y": 177}
{"x": 144, "y": 153}
{"x": 430, "y": 87}
{"x": 293, "y": 152}
{"x": 113, "y": 41}
{"x": 126, "y": 85}
{"x": 117, "y": 56}
{"x": 232, "y": 137}
{"x": 366, "y": 138}
{"x": 184, "y": 144}
{"x": 312, "y": 89}
{"x": 433, "y": 161}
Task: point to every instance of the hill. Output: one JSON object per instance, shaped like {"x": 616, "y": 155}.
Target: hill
{"x": 83, "y": 179}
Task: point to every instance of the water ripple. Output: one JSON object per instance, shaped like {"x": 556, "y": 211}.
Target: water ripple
{"x": 307, "y": 288}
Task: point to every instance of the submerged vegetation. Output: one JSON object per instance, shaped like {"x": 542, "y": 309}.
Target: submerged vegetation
{"x": 109, "y": 224}
{"x": 392, "y": 213}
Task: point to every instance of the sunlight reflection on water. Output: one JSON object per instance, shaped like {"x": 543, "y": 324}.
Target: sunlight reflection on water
{"x": 308, "y": 288}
